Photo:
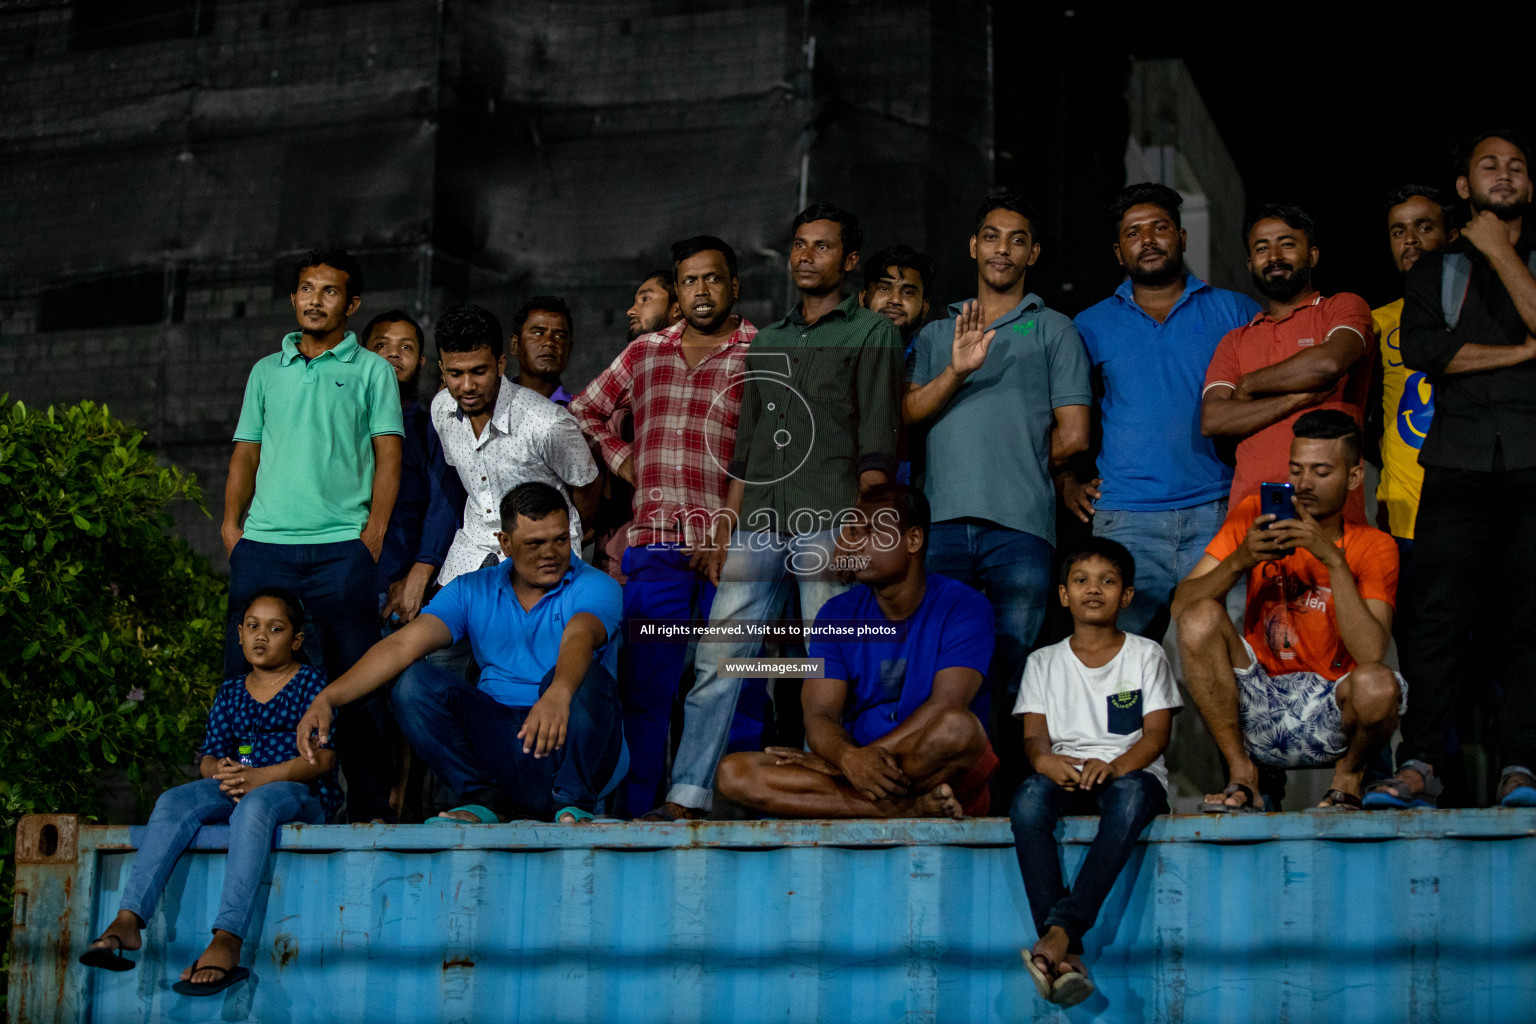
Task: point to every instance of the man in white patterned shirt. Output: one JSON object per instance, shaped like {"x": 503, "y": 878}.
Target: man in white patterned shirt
{"x": 498, "y": 434}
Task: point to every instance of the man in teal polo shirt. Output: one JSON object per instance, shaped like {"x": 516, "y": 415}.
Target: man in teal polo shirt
{"x": 1002, "y": 389}
{"x": 317, "y": 463}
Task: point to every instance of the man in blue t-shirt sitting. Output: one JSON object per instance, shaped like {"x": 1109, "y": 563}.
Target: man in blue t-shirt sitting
{"x": 542, "y": 731}
{"x": 891, "y": 726}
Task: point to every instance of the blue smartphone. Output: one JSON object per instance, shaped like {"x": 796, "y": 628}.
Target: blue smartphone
{"x": 1277, "y": 500}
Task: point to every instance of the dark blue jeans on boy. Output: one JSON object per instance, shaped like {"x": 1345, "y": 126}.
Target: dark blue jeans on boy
{"x": 1124, "y": 806}
{"x": 335, "y": 582}
{"x": 469, "y": 739}
{"x": 661, "y": 585}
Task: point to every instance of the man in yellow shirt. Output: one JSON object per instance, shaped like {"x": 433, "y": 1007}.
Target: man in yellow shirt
{"x": 1417, "y": 223}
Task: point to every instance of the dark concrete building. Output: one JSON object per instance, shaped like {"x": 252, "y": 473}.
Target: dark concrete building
{"x": 161, "y": 161}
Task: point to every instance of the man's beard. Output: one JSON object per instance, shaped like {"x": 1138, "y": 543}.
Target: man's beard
{"x": 656, "y": 324}
{"x": 408, "y": 390}
{"x": 1505, "y": 211}
{"x": 1170, "y": 271}
{"x": 1283, "y": 289}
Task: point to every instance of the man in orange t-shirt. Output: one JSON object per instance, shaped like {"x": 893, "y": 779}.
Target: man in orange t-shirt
{"x": 1305, "y": 351}
{"x": 1304, "y": 686}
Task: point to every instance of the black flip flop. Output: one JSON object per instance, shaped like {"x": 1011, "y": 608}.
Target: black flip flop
{"x": 108, "y": 959}
{"x": 231, "y": 976}
{"x": 1338, "y": 801}
{"x": 1222, "y": 807}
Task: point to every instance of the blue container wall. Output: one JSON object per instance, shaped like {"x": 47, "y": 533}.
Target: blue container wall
{"x": 1424, "y": 917}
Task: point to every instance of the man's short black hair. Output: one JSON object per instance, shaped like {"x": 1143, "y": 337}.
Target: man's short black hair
{"x": 1147, "y": 192}
{"x": 689, "y": 247}
{"x": 850, "y": 231}
{"x": 911, "y": 505}
{"x": 1112, "y": 551}
{"x": 1440, "y": 197}
{"x": 1291, "y": 215}
{"x": 1462, "y": 157}
{"x": 1331, "y": 425}
{"x": 467, "y": 327}
{"x": 329, "y": 256}
{"x": 293, "y": 607}
{"x": 391, "y": 316}
{"x": 1013, "y": 201}
{"x": 532, "y": 500}
{"x": 902, "y": 257}
{"x": 668, "y": 279}
{"x": 542, "y": 304}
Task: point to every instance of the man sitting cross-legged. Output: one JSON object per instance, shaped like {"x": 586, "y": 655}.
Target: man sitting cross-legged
{"x": 1305, "y": 687}
{"x": 890, "y": 727}
{"x": 542, "y": 730}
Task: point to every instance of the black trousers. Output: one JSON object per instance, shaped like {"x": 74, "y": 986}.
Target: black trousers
{"x": 1474, "y": 548}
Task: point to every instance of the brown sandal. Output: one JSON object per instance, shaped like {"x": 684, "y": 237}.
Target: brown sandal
{"x": 1338, "y": 800}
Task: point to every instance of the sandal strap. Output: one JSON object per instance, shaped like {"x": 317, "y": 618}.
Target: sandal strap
{"x": 1430, "y": 786}
{"x": 1517, "y": 769}
{"x": 1339, "y": 798}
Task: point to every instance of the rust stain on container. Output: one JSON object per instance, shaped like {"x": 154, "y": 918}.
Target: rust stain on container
{"x": 284, "y": 950}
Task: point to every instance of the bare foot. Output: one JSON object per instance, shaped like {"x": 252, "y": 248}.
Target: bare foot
{"x": 1247, "y": 776}
{"x": 938, "y": 802}
{"x": 468, "y": 816}
{"x": 1053, "y": 946}
{"x": 223, "y": 951}
{"x": 670, "y": 811}
{"x": 1073, "y": 962}
{"x": 126, "y": 929}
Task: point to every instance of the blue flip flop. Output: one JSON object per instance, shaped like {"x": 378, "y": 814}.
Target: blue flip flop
{"x": 1520, "y": 796}
{"x": 484, "y": 814}
{"x": 577, "y": 816}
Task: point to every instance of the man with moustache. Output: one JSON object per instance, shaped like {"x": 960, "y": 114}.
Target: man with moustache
{"x": 897, "y": 283}
{"x": 541, "y": 341}
{"x": 1161, "y": 488}
{"x": 497, "y": 435}
{"x": 1418, "y": 221}
{"x": 819, "y": 424}
{"x": 317, "y": 462}
{"x": 1469, "y": 317}
{"x": 425, "y": 515}
{"x": 655, "y": 306}
{"x": 682, "y": 387}
{"x": 1002, "y": 387}
{"x": 1304, "y": 351}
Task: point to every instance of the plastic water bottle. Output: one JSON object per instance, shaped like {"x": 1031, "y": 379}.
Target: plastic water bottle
{"x": 245, "y": 755}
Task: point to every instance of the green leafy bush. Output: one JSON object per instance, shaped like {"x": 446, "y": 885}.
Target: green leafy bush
{"x": 110, "y": 627}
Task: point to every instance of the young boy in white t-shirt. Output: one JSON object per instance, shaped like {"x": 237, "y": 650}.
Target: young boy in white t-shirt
{"x": 1097, "y": 709}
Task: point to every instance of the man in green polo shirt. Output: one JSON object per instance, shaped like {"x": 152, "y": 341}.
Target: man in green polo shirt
{"x": 820, "y": 416}
{"x": 317, "y": 464}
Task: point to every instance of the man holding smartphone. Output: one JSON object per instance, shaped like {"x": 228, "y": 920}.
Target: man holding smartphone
{"x": 1304, "y": 686}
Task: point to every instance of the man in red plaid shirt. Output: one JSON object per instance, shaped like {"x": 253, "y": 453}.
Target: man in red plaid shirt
{"x": 682, "y": 385}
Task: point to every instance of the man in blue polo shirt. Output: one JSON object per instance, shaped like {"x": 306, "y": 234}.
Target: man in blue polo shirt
{"x": 1161, "y": 489}
{"x": 891, "y": 725}
{"x": 1002, "y": 389}
{"x": 541, "y": 733}
{"x": 317, "y": 463}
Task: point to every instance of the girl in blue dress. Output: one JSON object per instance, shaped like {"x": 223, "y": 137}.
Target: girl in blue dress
{"x": 253, "y": 778}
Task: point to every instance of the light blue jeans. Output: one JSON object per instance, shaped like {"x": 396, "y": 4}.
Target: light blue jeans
{"x": 252, "y": 824}
{"x": 1166, "y": 545}
{"x": 754, "y": 585}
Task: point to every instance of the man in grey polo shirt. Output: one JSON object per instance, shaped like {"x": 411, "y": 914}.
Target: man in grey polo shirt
{"x": 1002, "y": 387}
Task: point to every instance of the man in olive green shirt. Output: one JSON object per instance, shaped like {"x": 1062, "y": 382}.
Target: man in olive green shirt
{"x": 820, "y": 418}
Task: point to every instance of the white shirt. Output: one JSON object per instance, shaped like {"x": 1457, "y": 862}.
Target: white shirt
{"x": 1096, "y": 712}
{"x": 528, "y": 438}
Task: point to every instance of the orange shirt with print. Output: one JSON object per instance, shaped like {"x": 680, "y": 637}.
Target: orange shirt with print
{"x": 1289, "y": 621}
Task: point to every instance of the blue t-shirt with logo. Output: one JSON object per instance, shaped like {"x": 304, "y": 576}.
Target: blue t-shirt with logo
{"x": 887, "y": 681}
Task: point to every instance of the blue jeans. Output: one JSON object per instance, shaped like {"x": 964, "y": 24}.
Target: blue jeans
{"x": 252, "y": 823}
{"x": 335, "y": 582}
{"x": 1013, "y": 569}
{"x": 469, "y": 739}
{"x": 1124, "y": 807}
{"x": 662, "y": 586}
{"x": 756, "y": 581}
{"x": 1166, "y": 545}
